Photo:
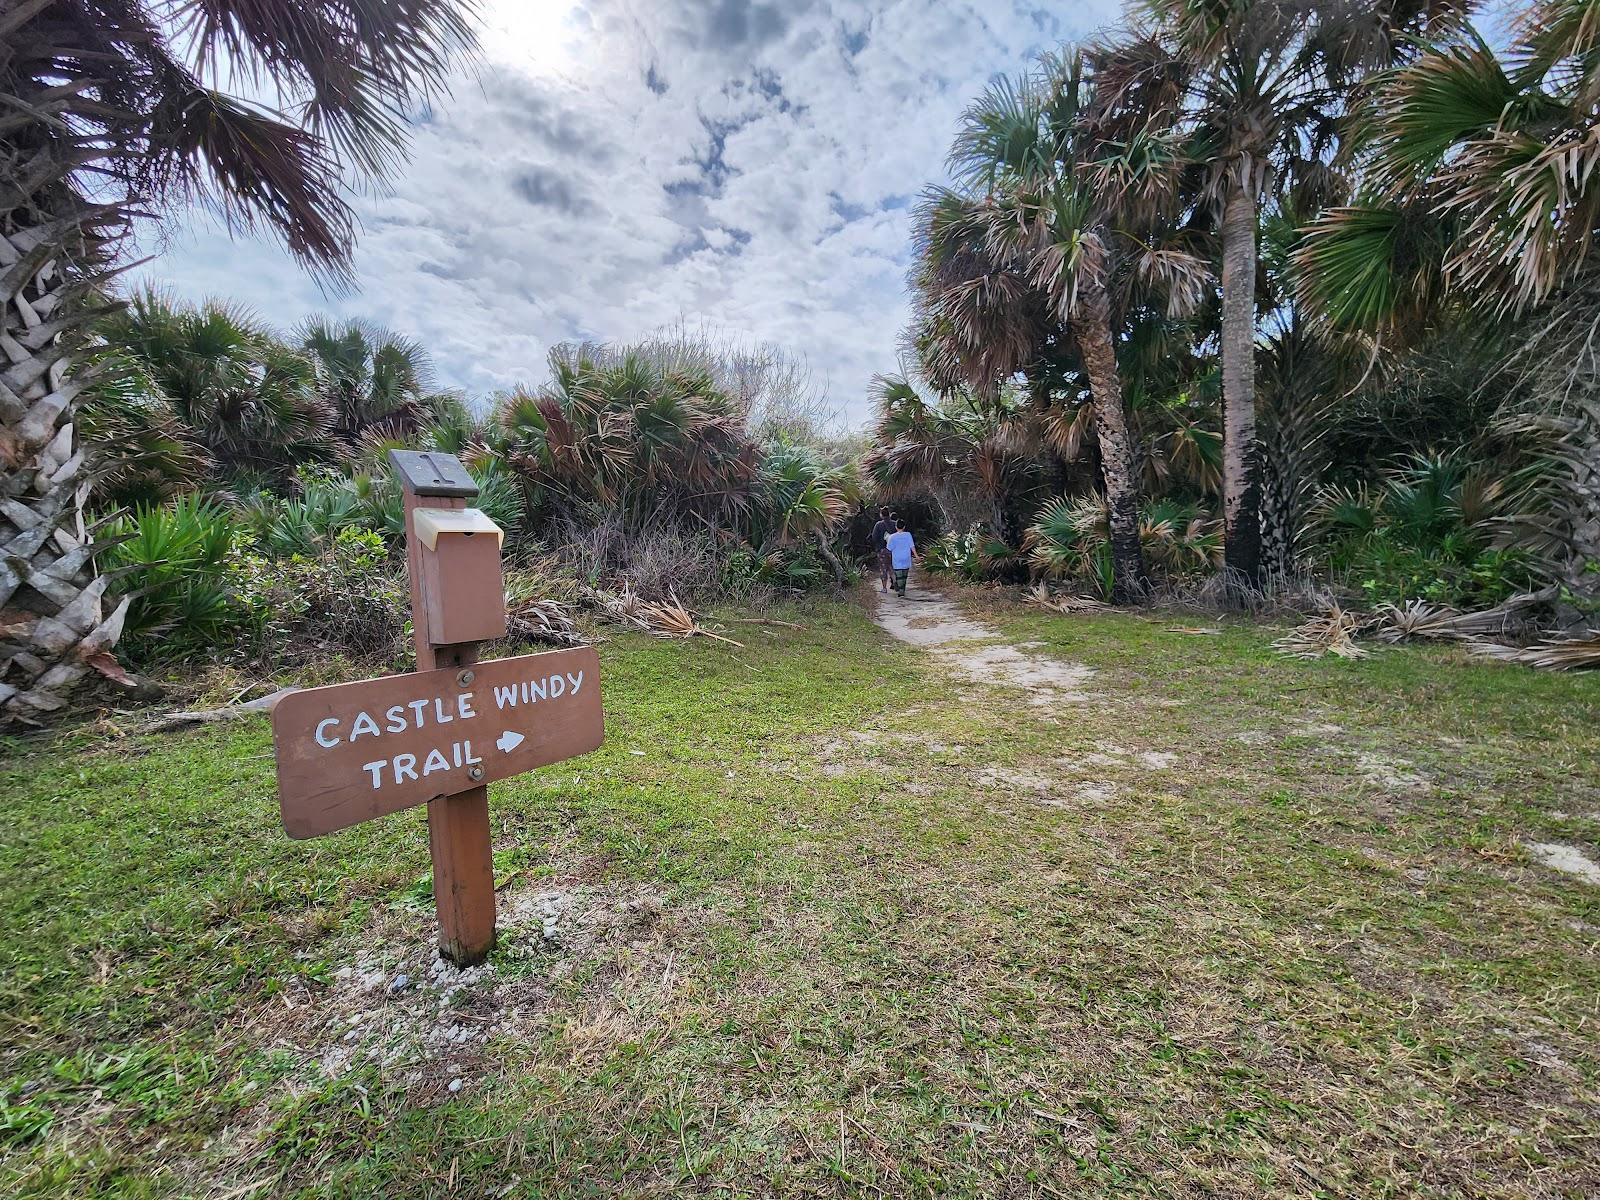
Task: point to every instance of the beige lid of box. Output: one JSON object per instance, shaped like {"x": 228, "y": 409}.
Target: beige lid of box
{"x": 431, "y": 522}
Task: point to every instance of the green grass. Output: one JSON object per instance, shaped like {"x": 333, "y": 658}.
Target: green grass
{"x": 829, "y": 935}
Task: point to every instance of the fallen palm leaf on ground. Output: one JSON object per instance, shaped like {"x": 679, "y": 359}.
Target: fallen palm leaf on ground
{"x": 1422, "y": 619}
{"x": 547, "y": 621}
{"x": 1555, "y": 654}
{"x": 1334, "y": 632}
{"x": 670, "y": 619}
{"x": 227, "y": 712}
{"x": 1040, "y": 596}
{"x": 625, "y": 606}
{"x": 1416, "y": 619}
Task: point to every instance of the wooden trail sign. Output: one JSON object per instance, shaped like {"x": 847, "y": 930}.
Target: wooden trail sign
{"x": 438, "y": 736}
{"x": 354, "y": 751}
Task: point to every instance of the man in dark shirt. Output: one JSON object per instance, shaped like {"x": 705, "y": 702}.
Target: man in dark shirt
{"x": 880, "y": 545}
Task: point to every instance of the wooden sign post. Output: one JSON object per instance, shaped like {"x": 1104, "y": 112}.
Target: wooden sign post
{"x": 353, "y": 751}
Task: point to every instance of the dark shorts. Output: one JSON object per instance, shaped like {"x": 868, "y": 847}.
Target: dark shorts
{"x": 883, "y": 562}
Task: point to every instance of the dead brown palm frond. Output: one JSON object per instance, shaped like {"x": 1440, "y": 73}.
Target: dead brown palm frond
{"x": 546, "y": 621}
{"x": 1067, "y": 430}
{"x": 625, "y": 605}
{"x": 1415, "y": 619}
{"x": 1333, "y": 632}
{"x": 1420, "y": 619}
{"x": 250, "y": 166}
{"x": 1179, "y": 278}
{"x": 1529, "y": 210}
{"x": 1040, "y": 596}
{"x": 1553, "y": 654}
{"x": 670, "y": 619}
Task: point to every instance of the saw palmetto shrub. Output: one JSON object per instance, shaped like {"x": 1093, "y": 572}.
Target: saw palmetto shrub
{"x": 174, "y": 562}
{"x": 1069, "y": 540}
{"x": 1425, "y": 531}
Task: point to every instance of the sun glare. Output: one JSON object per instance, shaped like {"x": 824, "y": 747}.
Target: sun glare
{"x": 543, "y": 36}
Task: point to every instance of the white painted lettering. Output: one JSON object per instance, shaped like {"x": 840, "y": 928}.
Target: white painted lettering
{"x": 505, "y": 697}
{"x": 396, "y": 718}
{"x": 321, "y": 725}
{"x": 455, "y": 752}
{"x": 377, "y": 771}
{"x": 405, "y": 767}
{"x": 363, "y": 724}
{"x": 537, "y": 690}
{"x": 464, "y": 706}
{"x": 417, "y": 706}
{"x": 436, "y": 762}
{"x": 575, "y": 680}
{"x": 558, "y": 687}
{"x": 470, "y": 759}
{"x": 439, "y": 713}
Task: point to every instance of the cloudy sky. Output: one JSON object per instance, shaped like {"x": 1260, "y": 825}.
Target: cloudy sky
{"x": 616, "y": 165}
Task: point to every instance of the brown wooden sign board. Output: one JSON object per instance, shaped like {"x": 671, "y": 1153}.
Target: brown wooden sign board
{"x": 354, "y": 751}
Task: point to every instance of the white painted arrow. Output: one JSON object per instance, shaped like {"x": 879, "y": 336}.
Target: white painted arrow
{"x": 509, "y": 741}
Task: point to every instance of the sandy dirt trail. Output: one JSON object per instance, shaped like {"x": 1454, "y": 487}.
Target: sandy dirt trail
{"x": 976, "y": 652}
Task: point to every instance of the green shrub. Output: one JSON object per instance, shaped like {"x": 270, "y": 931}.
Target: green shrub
{"x": 1423, "y": 532}
{"x": 351, "y": 598}
{"x": 174, "y": 560}
{"x": 326, "y": 503}
{"x": 307, "y": 523}
{"x": 1070, "y": 539}
{"x": 202, "y": 587}
{"x": 971, "y": 554}
{"x": 795, "y": 567}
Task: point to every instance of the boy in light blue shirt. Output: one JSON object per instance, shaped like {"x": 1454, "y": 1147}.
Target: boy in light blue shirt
{"x": 901, "y": 550}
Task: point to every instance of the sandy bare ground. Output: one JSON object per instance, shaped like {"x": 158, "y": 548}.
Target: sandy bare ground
{"x": 976, "y": 653}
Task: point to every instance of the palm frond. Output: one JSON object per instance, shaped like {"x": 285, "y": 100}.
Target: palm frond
{"x": 1555, "y": 654}
{"x": 1333, "y": 632}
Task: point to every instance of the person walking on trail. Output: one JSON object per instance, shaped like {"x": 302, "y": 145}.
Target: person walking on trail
{"x": 880, "y": 538}
{"x": 901, "y": 551}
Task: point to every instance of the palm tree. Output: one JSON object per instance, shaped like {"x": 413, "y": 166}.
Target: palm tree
{"x": 964, "y": 446}
{"x": 800, "y": 499}
{"x": 1480, "y": 209}
{"x": 1481, "y": 178}
{"x": 373, "y": 379}
{"x": 1261, "y": 86}
{"x": 636, "y": 430}
{"x": 1053, "y": 229}
{"x": 113, "y": 104}
{"x": 144, "y": 451}
{"x": 241, "y": 392}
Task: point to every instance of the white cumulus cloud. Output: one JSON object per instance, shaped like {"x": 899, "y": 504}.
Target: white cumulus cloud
{"x": 613, "y": 165}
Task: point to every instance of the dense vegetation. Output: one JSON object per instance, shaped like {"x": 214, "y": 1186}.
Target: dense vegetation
{"x": 253, "y": 517}
{"x": 974, "y": 901}
{"x": 1305, "y": 288}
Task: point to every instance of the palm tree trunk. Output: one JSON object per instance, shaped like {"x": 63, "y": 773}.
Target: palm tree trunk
{"x": 53, "y": 629}
{"x": 1241, "y": 490}
{"x": 840, "y": 575}
{"x": 1098, "y": 351}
